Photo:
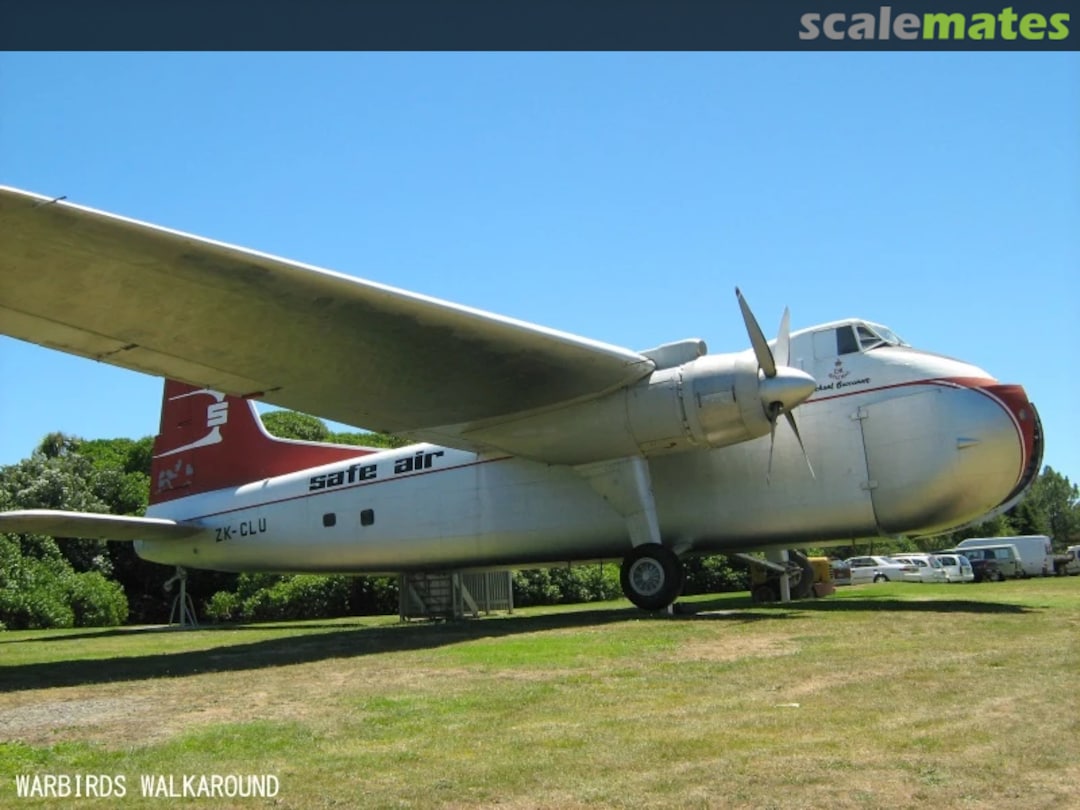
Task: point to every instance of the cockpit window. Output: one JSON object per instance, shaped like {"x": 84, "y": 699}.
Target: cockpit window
{"x": 845, "y": 341}
{"x": 890, "y": 336}
{"x": 852, "y": 337}
{"x": 867, "y": 338}
{"x": 873, "y": 336}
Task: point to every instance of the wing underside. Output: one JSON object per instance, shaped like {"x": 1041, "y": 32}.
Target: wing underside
{"x": 246, "y": 323}
{"x": 94, "y": 526}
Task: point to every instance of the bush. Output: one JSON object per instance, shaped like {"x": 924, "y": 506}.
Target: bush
{"x": 715, "y": 574}
{"x": 38, "y": 593}
{"x": 34, "y": 603}
{"x": 312, "y": 596}
{"x": 563, "y": 586}
{"x": 267, "y": 597}
{"x": 534, "y": 587}
{"x": 224, "y": 606}
{"x": 96, "y": 601}
{"x": 373, "y": 596}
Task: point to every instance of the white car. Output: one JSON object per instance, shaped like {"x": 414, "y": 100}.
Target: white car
{"x": 957, "y": 567}
{"x": 877, "y": 569}
{"x": 927, "y": 568}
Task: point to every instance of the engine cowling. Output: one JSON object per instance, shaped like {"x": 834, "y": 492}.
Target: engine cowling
{"x": 711, "y": 401}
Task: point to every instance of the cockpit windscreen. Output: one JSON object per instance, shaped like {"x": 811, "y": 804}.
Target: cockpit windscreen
{"x": 872, "y": 336}
{"x": 863, "y": 336}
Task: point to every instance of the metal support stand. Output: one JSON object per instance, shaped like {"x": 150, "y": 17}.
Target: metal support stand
{"x": 183, "y": 609}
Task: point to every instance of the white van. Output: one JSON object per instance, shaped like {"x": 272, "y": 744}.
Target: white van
{"x": 1035, "y": 550}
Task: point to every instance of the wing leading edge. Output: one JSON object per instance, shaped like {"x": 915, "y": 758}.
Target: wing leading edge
{"x": 247, "y": 323}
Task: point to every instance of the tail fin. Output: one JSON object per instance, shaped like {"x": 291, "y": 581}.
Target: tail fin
{"x": 210, "y": 440}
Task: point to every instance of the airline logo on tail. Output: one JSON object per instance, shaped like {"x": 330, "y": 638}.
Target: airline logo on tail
{"x": 217, "y": 414}
{"x": 180, "y": 474}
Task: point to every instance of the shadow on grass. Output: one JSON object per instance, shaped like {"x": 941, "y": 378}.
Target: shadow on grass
{"x": 350, "y": 639}
{"x": 120, "y": 632}
{"x": 885, "y": 604}
{"x": 336, "y": 640}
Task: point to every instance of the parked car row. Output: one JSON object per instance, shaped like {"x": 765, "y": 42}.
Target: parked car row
{"x": 944, "y": 567}
{"x": 975, "y": 559}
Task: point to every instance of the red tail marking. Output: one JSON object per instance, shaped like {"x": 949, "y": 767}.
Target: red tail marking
{"x": 211, "y": 441}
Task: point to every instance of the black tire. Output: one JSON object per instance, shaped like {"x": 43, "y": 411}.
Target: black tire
{"x": 805, "y": 586}
{"x": 880, "y": 578}
{"x": 652, "y": 576}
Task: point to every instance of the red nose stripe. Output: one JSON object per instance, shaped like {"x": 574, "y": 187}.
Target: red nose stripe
{"x": 1015, "y": 401}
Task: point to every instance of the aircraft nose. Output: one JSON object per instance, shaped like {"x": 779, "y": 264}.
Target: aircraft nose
{"x": 967, "y": 452}
{"x": 1014, "y": 401}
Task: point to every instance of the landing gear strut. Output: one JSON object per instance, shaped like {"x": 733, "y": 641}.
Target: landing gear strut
{"x": 780, "y": 577}
{"x": 652, "y": 576}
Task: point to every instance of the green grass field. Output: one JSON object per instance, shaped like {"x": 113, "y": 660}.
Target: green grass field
{"x": 894, "y": 695}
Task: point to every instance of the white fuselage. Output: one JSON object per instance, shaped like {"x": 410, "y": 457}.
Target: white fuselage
{"x": 901, "y": 442}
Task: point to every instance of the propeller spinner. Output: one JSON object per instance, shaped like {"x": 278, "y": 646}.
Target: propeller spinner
{"x": 781, "y": 387}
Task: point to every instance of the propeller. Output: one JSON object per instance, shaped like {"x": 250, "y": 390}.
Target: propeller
{"x": 782, "y": 388}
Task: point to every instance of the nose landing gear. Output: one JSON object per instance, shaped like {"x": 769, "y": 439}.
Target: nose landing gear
{"x": 789, "y": 571}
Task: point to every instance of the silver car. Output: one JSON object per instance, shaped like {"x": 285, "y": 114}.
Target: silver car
{"x": 877, "y": 569}
{"x": 927, "y": 568}
{"x": 957, "y": 567}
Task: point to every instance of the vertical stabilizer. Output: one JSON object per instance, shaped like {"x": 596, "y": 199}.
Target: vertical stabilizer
{"x": 210, "y": 441}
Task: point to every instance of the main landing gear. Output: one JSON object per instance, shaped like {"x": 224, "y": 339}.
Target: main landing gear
{"x": 652, "y": 576}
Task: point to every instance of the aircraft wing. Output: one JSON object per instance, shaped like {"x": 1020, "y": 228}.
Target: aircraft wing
{"x": 250, "y": 324}
{"x": 94, "y": 526}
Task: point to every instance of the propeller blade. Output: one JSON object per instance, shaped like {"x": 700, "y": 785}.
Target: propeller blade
{"x": 795, "y": 430}
{"x": 784, "y": 387}
{"x": 757, "y": 338}
{"x": 783, "y": 340}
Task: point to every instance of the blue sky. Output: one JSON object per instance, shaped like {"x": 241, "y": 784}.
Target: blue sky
{"x": 616, "y": 196}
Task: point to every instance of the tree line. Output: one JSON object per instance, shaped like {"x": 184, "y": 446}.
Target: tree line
{"x": 46, "y": 582}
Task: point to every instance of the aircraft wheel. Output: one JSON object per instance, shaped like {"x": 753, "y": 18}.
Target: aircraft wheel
{"x": 652, "y": 576}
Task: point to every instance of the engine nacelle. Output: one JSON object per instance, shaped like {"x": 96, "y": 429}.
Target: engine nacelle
{"x": 715, "y": 399}
{"x": 712, "y": 401}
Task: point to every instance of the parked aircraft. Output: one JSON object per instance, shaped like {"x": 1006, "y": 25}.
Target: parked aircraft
{"x": 535, "y": 446}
